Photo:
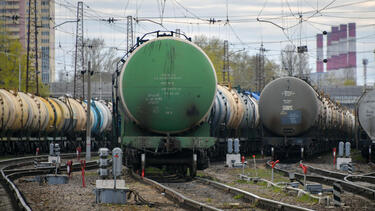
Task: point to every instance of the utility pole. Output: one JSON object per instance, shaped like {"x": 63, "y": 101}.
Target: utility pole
{"x": 88, "y": 125}
{"x": 178, "y": 33}
{"x": 364, "y": 62}
{"x": 300, "y": 72}
{"x": 79, "y": 48}
{"x": 259, "y": 75}
{"x": 226, "y": 63}
{"x": 30, "y": 53}
{"x": 129, "y": 34}
{"x": 36, "y": 47}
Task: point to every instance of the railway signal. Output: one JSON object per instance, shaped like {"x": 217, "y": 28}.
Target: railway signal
{"x": 69, "y": 167}
{"x": 78, "y": 151}
{"x": 273, "y": 164}
{"x": 143, "y": 163}
{"x": 83, "y": 166}
{"x": 304, "y": 168}
{"x": 243, "y": 164}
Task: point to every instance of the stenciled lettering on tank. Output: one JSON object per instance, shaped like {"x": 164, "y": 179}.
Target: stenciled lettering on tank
{"x": 369, "y": 112}
{"x": 288, "y": 114}
{"x": 168, "y": 82}
{"x": 288, "y": 93}
{"x": 370, "y": 107}
{"x": 287, "y": 101}
{"x": 153, "y": 99}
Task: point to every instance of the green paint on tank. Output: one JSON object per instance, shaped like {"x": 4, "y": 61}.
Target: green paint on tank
{"x": 168, "y": 85}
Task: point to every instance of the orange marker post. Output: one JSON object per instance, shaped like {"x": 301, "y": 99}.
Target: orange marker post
{"x": 83, "y": 166}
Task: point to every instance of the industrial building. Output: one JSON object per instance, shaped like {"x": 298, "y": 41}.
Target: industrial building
{"x": 15, "y": 14}
{"x": 340, "y": 57}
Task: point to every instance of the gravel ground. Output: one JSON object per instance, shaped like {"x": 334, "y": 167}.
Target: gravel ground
{"x": 230, "y": 177}
{"x": 325, "y": 161}
{"x": 73, "y": 197}
{"x": 211, "y": 196}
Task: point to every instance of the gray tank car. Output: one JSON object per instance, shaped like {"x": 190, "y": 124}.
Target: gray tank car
{"x": 366, "y": 120}
{"x": 294, "y": 114}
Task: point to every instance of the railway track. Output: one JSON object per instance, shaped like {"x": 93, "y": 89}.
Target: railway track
{"x": 205, "y": 194}
{"x": 11, "y": 169}
{"x": 329, "y": 178}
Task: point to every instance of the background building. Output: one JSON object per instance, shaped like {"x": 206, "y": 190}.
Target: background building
{"x": 341, "y": 66}
{"x": 14, "y": 16}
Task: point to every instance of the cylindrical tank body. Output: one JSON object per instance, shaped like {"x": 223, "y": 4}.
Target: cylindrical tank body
{"x": 94, "y": 117}
{"x": 43, "y": 115}
{"x": 234, "y": 109}
{"x": 290, "y": 107}
{"x": 51, "y": 115}
{"x": 79, "y": 113}
{"x": 33, "y": 111}
{"x": 366, "y": 113}
{"x": 72, "y": 112}
{"x": 4, "y": 112}
{"x": 58, "y": 120}
{"x": 21, "y": 111}
{"x": 97, "y": 120}
{"x": 14, "y": 108}
{"x": 251, "y": 115}
{"x": 66, "y": 120}
{"x": 105, "y": 115}
{"x": 167, "y": 85}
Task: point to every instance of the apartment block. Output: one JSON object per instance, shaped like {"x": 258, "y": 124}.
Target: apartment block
{"x": 14, "y": 14}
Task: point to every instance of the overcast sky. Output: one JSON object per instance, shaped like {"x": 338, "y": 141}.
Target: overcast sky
{"x": 242, "y": 30}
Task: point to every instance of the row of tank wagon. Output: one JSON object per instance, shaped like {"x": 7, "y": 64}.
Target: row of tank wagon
{"x": 234, "y": 111}
{"x": 299, "y": 107}
{"x": 178, "y": 107}
{"x": 294, "y": 113}
{"x": 24, "y": 114}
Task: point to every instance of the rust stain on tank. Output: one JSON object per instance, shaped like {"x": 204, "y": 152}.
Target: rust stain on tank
{"x": 192, "y": 111}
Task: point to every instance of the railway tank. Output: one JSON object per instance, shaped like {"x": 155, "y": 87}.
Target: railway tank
{"x": 171, "y": 111}
{"x": 162, "y": 90}
{"x": 366, "y": 120}
{"x": 293, "y": 113}
{"x": 27, "y": 120}
{"x": 167, "y": 88}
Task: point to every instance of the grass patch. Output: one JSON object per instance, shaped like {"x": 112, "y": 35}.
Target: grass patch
{"x": 240, "y": 181}
{"x": 7, "y": 157}
{"x": 357, "y": 156}
{"x": 307, "y": 199}
{"x": 264, "y": 173}
{"x": 264, "y": 184}
{"x": 239, "y": 196}
{"x": 153, "y": 170}
{"x": 276, "y": 189}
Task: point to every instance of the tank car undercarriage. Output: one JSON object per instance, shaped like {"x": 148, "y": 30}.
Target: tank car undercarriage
{"x": 297, "y": 148}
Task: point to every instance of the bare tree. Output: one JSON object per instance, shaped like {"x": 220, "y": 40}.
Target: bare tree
{"x": 292, "y": 62}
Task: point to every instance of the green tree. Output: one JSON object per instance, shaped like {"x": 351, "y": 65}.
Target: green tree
{"x": 214, "y": 48}
{"x": 11, "y": 56}
{"x": 241, "y": 63}
{"x": 292, "y": 62}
